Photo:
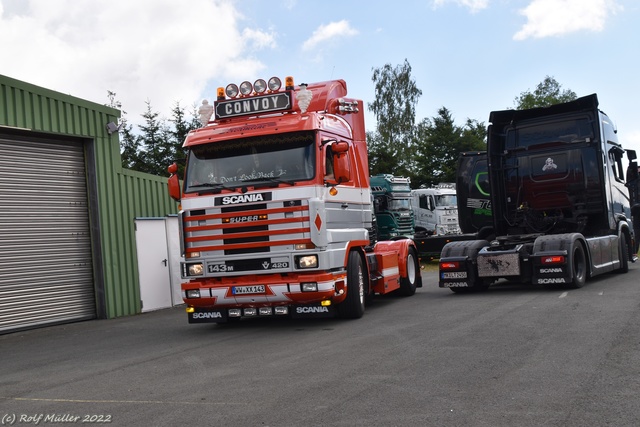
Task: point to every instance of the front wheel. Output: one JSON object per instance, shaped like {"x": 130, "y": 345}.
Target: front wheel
{"x": 408, "y": 284}
{"x": 353, "y": 305}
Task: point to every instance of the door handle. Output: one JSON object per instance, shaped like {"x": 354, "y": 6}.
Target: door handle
{"x": 164, "y": 261}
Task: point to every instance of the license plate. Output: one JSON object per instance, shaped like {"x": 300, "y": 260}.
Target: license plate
{"x": 242, "y": 290}
{"x": 454, "y": 275}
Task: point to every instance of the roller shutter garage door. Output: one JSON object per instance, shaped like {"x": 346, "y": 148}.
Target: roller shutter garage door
{"x": 45, "y": 246}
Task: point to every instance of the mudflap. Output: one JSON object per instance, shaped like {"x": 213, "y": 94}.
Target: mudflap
{"x": 313, "y": 311}
{"x": 458, "y": 267}
{"x": 551, "y": 259}
{"x": 207, "y": 315}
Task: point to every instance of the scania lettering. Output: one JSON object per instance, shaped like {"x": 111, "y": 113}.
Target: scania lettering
{"x": 276, "y": 209}
{"x": 551, "y": 270}
{"x": 560, "y": 201}
{"x": 230, "y": 200}
{"x": 302, "y": 310}
{"x": 212, "y": 315}
{"x": 553, "y": 280}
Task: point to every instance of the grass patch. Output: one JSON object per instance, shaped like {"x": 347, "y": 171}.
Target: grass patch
{"x": 429, "y": 264}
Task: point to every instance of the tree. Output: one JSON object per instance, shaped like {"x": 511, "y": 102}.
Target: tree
{"x": 130, "y": 144}
{"x": 181, "y": 127}
{"x": 390, "y": 149}
{"x": 155, "y": 147}
{"x": 439, "y": 142}
{"x": 547, "y": 93}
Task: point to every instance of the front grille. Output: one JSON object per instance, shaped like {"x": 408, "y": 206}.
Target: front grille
{"x": 241, "y": 211}
{"x": 405, "y": 226}
{"x": 247, "y": 228}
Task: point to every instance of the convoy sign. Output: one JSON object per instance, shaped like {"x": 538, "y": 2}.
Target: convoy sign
{"x": 253, "y": 105}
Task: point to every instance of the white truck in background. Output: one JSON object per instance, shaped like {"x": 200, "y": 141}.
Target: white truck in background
{"x": 435, "y": 210}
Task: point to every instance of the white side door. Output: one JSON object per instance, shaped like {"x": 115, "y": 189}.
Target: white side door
{"x": 173, "y": 245}
{"x": 153, "y": 263}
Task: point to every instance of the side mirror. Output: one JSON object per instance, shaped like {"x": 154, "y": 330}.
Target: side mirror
{"x": 173, "y": 183}
{"x": 341, "y": 167}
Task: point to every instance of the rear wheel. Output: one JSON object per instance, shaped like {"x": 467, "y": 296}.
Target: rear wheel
{"x": 408, "y": 284}
{"x": 578, "y": 263}
{"x": 353, "y": 305}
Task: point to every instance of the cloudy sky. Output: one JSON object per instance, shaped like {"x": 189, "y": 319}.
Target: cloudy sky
{"x": 470, "y": 56}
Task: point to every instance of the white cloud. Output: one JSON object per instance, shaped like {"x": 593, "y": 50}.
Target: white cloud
{"x": 547, "y": 18}
{"x": 473, "y": 5}
{"x": 141, "y": 50}
{"x": 327, "y": 32}
{"x": 259, "y": 39}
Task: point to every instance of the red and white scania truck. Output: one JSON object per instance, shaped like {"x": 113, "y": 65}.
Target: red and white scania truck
{"x": 276, "y": 208}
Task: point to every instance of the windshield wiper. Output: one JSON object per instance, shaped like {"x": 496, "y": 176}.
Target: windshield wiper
{"x": 209, "y": 187}
{"x": 275, "y": 181}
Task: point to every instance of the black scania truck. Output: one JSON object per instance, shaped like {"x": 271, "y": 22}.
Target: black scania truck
{"x": 559, "y": 198}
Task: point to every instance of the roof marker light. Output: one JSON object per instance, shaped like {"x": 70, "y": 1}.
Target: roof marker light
{"x": 288, "y": 85}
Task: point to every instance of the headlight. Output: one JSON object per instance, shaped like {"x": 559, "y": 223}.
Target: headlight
{"x": 246, "y": 88}
{"x": 307, "y": 261}
{"x": 231, "y": 90}
{"x": 274, "y": 84}
{"x": 195, "y": 270}
{"x": 309, "y": 287}
{"x": 193, "y": 293}
{"x": 260, "y": 86}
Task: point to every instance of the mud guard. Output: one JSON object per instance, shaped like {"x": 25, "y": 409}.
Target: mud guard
{"x": 402, "y": 247}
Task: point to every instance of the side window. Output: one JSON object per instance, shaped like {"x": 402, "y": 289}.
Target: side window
{"x": 423, "y": 201}
{"x": 615, "y": 160}
{"x": 328, "y": 166}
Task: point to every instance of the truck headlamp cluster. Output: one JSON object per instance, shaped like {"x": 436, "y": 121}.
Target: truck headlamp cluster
{"x": 275, "y": 84}
{"x": 195, "y": 269}
{"x": 231, "y": 90}
{"x": 307, "y": 261}
{"x": 258, "y": 87}
{"x": 246, "y": 88}
{"x": 309, "y": 287}
{"x": 193, "y": 293}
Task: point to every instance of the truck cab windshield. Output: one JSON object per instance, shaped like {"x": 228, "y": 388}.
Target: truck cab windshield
{"x": 399, "y": 204}
{"x": 286, "y": 157}
{"x": 446, "y": 200}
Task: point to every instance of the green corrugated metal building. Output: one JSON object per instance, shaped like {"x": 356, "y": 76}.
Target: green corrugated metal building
{"x": 67, "y": 210}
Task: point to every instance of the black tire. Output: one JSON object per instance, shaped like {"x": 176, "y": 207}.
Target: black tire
{"x": 353, "y": 305}
{"x": 624, "y": 255}
{"x": 409, "y": 284}
{"x": 578, "y": 266}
